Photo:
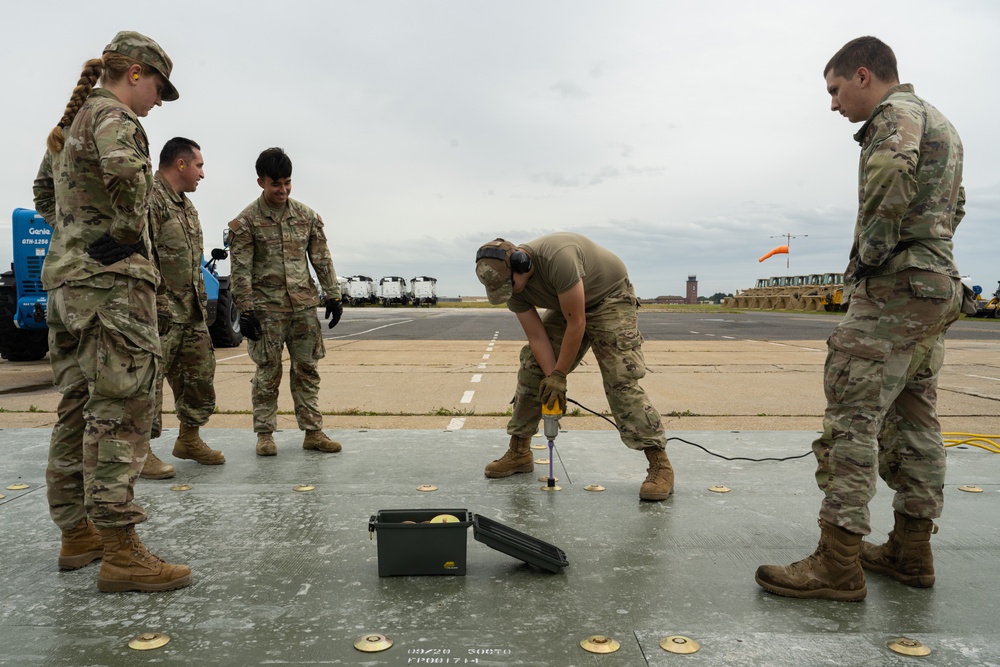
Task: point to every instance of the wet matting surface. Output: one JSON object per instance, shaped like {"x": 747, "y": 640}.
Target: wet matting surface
{"x": 285, "y": 576}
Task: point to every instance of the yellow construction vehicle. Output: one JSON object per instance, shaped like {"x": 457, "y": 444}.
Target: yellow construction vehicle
{"x": 987, "y": 308}
{"x": 814, "y": 292}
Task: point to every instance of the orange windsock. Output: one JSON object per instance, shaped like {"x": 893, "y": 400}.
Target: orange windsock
{"x": 777, "y": 251}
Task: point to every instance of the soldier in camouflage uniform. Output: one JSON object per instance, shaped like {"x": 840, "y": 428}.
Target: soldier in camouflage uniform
{"x": 92, "y": 187}
{"x": 590, "y": 306}
{"x": 884, "y": 357}
{"x": 181, "y": 306}
{"x": 270, "y": 243}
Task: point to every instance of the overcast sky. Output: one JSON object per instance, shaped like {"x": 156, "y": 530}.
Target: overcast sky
{"x": 683, "y": 136}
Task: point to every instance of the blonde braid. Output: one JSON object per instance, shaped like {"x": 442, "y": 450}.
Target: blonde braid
{"x": 92, "y": 70}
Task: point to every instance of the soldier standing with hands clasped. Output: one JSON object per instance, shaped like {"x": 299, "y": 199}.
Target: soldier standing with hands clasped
{"x": 181, "y": 306}
{"x": 272, "y": 243}
{"x": 93, "y": 188}
{"x": 883, "y": 358}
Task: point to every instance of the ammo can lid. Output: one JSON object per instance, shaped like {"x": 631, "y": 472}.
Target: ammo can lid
{"x": 517, "y": 544}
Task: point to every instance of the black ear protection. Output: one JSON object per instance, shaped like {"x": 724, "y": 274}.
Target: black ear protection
{"x": 518, "y": 260}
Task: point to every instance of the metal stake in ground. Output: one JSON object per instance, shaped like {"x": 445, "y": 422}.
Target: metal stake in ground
{"x": 552, "y": 479}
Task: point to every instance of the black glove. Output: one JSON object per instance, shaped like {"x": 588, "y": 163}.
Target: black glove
{"x": 334, "y": 309}
{"x": 552, "y": 391}
{"x": 108, "y": 251}
{"x": 250, "y": 325}
{"x": 862, "y": 270}
{"x": 163, "y": 322}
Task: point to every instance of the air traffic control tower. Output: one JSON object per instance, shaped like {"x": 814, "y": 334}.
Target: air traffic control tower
{"x": 691, "y": 295}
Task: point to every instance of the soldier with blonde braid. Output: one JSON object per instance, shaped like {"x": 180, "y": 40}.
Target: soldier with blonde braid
{"x": 93, "y": 187}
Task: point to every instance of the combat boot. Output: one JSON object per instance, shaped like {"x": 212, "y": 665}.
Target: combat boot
{"x": 832, "y": 572}
{"x": 317, "y": 440}
{"x": 517, "y": 459}
{"x": 128, "y": 565}
{"x": 660, "y": 475}
{"x": 154, "y": 468}
{"x": 189, "y": 445}
{"x": 265, "y": 445}
{"x": 81, "y": 545}
{"x": 906, "y": 556}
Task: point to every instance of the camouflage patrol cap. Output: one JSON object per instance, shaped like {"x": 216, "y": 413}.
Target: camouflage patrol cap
{"x": 139, "y": 47}
{"x": 493, "y": 270}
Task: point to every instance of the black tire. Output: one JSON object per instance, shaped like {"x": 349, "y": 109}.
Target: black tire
{"x": 226, "y": 328}
{"x": 18, "y": 344}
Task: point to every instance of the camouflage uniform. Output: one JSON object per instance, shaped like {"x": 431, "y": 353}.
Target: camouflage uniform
{"x": 884, "y": 357}
{"x": 182, "y": 305}
{"x": 270, "y": 276}
{"x": 612, "y": 332}
{"x": 103, "y": 343}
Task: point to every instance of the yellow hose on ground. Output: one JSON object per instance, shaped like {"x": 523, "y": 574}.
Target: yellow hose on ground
{"x": 981, "y": 440}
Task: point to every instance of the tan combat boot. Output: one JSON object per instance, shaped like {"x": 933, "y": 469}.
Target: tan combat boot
{"x": 189, "y": 445}
{"x": 128, "y": 565}
{"x": 832, "y": 572}
{"x": 318, "y": 441}
{"x": 81, "y": 545}
{"x": 660, "y": 475}
{"x": 265, "y": 445}
{"x": 906, "y": 556}
{"x": 517, "y": 459}
{"x": 154, "y": 468}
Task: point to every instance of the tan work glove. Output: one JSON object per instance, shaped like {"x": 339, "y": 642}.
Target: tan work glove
{"x": 552, "y": 391}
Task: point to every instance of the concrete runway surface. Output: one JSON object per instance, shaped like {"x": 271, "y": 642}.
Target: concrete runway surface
{"x": 291, "y": 577}
{"x": 455, "y": 368}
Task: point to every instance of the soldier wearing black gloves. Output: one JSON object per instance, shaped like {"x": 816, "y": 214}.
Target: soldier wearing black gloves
{"x": 107, "y": 251}
{"x": 250, "y": 325}
{"x": 334, "y": 309}
{"x": 271, "y": 241}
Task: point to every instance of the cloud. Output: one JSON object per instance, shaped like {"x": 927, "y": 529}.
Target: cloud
{"x": 591, "y": 179}
{"x": 569, "y": 91}
{"x": 419, "y": 130}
